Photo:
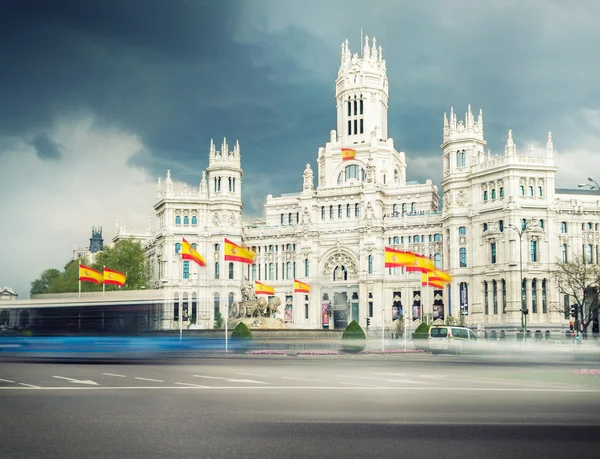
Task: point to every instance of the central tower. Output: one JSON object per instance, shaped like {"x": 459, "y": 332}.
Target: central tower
{"x": 361, "y": 92}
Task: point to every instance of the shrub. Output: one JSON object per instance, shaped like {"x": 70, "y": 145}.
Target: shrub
{"x": 421, "y": 333}
{"x": 353, "y": 338}
{"x": 241, "y": 332}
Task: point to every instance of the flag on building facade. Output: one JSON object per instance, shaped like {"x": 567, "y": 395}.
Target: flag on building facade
{"x": 348, "y": 154}
{"x": 188, "y": 252}
{"x": 113, "y": 277}
{"x": 301, "y": 287}
{"x": 87, "y": 274}
{"x": 263, "y": 289}
{"x": 395, "y": 258}
{"x": 428, "y": 281}
{"x": 234, "y": 252}
{"x": 421, "y": 264}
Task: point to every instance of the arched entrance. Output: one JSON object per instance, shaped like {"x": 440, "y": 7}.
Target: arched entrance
{"x": 339, "y": 297}
{"x": 24, "y": 318}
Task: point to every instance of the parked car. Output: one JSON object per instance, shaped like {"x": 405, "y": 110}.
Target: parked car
{"x": 451, "y": 339}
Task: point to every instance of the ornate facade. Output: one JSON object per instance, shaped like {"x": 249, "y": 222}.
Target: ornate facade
{"x": 332, "y": 233}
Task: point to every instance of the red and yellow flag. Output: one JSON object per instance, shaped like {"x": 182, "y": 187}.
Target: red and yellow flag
{"x": 427, "y": 280}
{"x": 113, "y": 277}
{"x": 188, "y": 252}
{"x": 301, "y": 287}
{"x": 348, "y": 154}
{"x": 395, "y": 258}
{"x": 234, "y": 252}
{"x": 262, "y": 289}
{"x": 87, "y": 274}
{"x": 440, "y": 276}
{"x": 421, "y": 264}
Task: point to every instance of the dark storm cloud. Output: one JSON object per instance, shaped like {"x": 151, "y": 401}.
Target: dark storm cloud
{"x": 46, "y": 148}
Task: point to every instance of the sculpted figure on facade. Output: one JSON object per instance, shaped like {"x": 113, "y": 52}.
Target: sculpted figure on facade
{"x": 308, "y": 178}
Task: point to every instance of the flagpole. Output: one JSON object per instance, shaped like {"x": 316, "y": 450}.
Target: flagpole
{"x": 226, "y": 274}
{"x": 103, "y": 283}
{"x": 383, "y": 315}
{"x": 79, "y": 278}
{"x": 181, "y": 302}
{"x": 407, "y": 308}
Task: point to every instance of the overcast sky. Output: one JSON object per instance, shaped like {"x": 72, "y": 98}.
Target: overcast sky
{"x": 99, "y": 98}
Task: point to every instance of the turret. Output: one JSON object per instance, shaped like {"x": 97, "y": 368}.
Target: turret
{"x": 224, "y": 171}
{"x": 463, "y": 142}
{"x": 511, "y": 148}
{"x": 361, "y": 93}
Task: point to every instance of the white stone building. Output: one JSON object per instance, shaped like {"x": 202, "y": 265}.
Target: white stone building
{"x": 332, "y": 233}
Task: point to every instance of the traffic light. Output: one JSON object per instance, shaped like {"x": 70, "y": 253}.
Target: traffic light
{"x": 368, "y": 321}
{"x": 571, "y": 326}
{"x": 573, "y": 310}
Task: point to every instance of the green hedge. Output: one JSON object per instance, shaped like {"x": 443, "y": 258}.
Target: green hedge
{"x": 353, "y": 338}
{"x": 241, "y": 332}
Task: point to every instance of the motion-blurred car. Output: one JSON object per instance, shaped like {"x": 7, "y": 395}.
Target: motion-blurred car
{"x": 451, "y": 339}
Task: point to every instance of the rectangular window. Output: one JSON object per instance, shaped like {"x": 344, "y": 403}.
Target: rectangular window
{"x": 370, "y": 264}
{"x": 564, "y": 253}
{"x": 349, "y": 127}
{"x": 501, "y": 191}
{"x": 348, "y": 210}
{"x": 533, "y": 247}
{"x": 306, "y": 268}
{"x": 503, "y": 296}
{"x": 271, "y": 271}
{"x": 495, "y": 296}
{"x": 253, "y": 272}
{"x": 534, "y": 296}
{"x": 544, "y": 307}
{"x": 486, "y": 298}
{"x": 355, "y": 108}
{"x": 322, "y": 212}
{"x": 361, "y": 106}
{"x": 349, "y": 108}
{"x": 462, "y": 257}
{"x": 493, "y": 252}
{"x": 566, "y": 306}
{"x": 217, "y": 270}
{"x": 370, "y": 309}
{"x": 356, "y": 210}
{"x": 306, "y": 311}
{"x": 563, "y": 227}
{"x": 186, "y": 269}
{"x": 362, "y": 126}
{"x": 356, "y": 126}
{"x": 340, "y": 211}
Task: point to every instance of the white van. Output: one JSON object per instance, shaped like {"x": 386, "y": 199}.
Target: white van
{"x": 451, "y": 339}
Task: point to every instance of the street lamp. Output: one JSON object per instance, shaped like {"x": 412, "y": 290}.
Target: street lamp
{"x": 524, "y": 311}
{"x": 593, "y": 185}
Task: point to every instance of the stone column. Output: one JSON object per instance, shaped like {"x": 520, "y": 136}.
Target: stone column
{"x": 501, "y": 302}
{"x": 528, "y": 302}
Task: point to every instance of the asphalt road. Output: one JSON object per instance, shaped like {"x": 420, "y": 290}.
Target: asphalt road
{"x": 277, "y": 407}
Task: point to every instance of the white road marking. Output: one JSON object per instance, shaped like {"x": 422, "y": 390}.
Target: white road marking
{"x": 231, "y": 380}
{"x": 330, "y": 388}
{"x": 390, "y": 374}
{"x": 112, "y": 374}
{"x": 434, "y": 376}
{"x": 148, "y": 379}
{"x": 78, "y": 381}
{"x": 191, "y": 385}
{"x": 400, "y": 381}
{"x": 301, "y": 379}
{"x": 253, "y": 374}
{"x": 6, "y": 380}
{"x": 358, "y": 384}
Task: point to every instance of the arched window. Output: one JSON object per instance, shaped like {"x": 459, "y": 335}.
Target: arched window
{"x": 563, "y": 227}
{"x": 522, "y": 190}
{"x": 403, "y": 208}
{"x": 194, "y": 245}
{"x": 540, "y": 193}
{"x": 331, "y": 212}
{"x": 322, "y": 212}
{"x": 462, "y": 257}
{"x": 437, "y": 259}
{"x": 288, "y": 270}
{"x": 396, "y": 176}
{"x": 437, "y": 237}
{"x": 186, "y": 220}
{"x": 395, "y": 210}
{"x": 530, "y": 191}
{"x": 194, "y": 220}
{"x": 370, "y": 267}
{"x": 494, "y": 193}
{"x": 462, "y": 230}
{"x": 396, "y": 240}
{"x": 177, "y": 247}
{"x": 352, "y": 172}
{"x": 177, "y": 220}
{"x": 416, "y": 239}
{"x": 230, "y": 270}
{"x": 413, "y": 207}
{"x": 340, "y": 211}
{"x": 186, "y": 269}
{"x": 356, "y": 210}
{"x": 217, "y": 270}
{"x": 231, "y": 298}
{"x": 485, "y": 195}
{"x": 340, "y": 273}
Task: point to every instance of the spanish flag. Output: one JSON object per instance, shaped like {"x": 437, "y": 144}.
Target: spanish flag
{"x": 301, "y": 287}
{"x": 421, "y": 264}
{"x": 440, "y": 276}
{"x": 428, "y": 280}
{"x": 87, "y": 274}
{"x": 262, "y": 289}
{"x": 348, "y": 154}
{"x": 395, "y": 258}
{"x": 234, "y": 252}
{"x": 114, "y": 277}
{"x": 188, "y": 252}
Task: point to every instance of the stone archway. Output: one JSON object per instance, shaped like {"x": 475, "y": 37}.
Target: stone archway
{"x": 340, "y": 266}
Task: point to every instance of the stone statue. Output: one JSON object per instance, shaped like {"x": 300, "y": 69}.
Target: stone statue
{"x": 308, "y": 178}
{"x": 247, "y": 291}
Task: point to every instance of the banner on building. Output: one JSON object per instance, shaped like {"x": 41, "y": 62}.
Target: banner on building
{"x": 324, "y": 315}
{"x": 288, "y": 312}
{"x": 416, "y": 305}
{"x": 438, "y": 305}
{"x": 464, "y": 299}
{"x": 397, "y": 306}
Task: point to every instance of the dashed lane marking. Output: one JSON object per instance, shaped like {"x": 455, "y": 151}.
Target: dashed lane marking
{"x": 148, "y": 379}
{"x": 359, "y": 384}
{"x": 190, "y": 385}
{"x": 113, "y": 374}
{"x": 7, "y": 380}
{"x": 253, "y": 374}
{"x": 301, "y": 379}
{"x": 390, "y": 374}
{"x": 231, "y": 380}
{"x": 401, "y": 381}
{"x": 30, "y": 385}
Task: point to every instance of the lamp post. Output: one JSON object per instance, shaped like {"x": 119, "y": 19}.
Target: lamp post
{"x": 524, "y": 311}
{"x": 592, "y": 185}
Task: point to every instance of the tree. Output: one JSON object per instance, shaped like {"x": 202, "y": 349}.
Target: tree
{"x": 353, "y": 338}
{"x": 42, "y": 284}
{"x": 128, "y": 257}
{"x": 68, "y": 280}
{"x": 580, "y": 280}
{"x": 219, "y": 320}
